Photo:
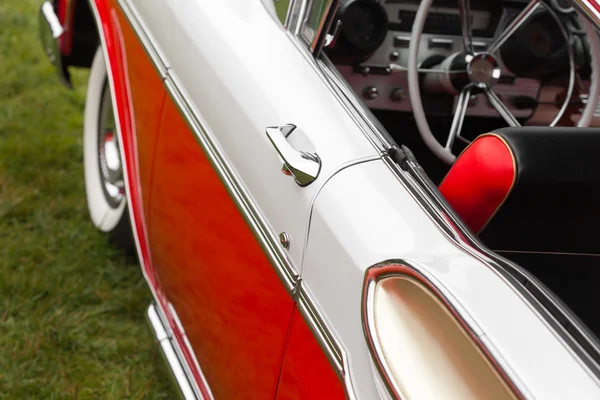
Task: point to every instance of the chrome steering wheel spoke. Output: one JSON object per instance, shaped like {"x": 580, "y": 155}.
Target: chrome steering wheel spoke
{"x": 466, "y": 16}
{"x": 469, "y": 72}
{"x": 514, "y": 25}
{"x": 501, "y": 108}
{"x": 459, "y": 116}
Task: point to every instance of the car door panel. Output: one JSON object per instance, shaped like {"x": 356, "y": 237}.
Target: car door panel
{"x": 227, "y": 87}
{"x": 231, "y": 303}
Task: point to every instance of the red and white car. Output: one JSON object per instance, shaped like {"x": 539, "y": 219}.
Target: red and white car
{"x": 255, "y": 154}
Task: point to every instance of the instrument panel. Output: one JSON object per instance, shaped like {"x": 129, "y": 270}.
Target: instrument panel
{"x": 386, "y": 88}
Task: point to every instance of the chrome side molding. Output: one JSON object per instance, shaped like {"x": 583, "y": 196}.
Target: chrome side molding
{"x": 590, "y": 9}
{"x": 175, "y": 365}
{"x": 50, "y": 32}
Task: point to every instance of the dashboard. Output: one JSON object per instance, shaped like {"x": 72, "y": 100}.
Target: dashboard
{"x": 375, "y": 36}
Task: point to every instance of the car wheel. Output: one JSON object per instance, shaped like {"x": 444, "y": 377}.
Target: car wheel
{"x": 104, "y": 180}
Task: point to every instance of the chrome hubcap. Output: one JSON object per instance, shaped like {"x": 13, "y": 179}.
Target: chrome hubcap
{"x": 109, "y": 156}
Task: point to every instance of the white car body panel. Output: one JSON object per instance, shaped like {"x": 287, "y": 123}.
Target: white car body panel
{"x": 364, "y": 216}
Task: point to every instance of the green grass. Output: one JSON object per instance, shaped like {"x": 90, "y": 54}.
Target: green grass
{"x": 71, "y": 308}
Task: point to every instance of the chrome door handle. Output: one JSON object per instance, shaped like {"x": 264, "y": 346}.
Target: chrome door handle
{"x": 302, "y": 165}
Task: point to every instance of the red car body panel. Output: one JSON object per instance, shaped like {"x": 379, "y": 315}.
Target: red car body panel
{"x": 65, "y": 13}
{"x": 148, "y": 96}
{"x": 114, "y": 47}
{"x": 306, "y": 374}
{"x": 234, "y": 308}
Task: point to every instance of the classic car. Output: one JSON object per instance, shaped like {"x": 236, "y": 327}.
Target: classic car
{"x": 355, "y": 199}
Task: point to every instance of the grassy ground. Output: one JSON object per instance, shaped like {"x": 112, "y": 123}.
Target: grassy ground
{"x": 71, "y": 308}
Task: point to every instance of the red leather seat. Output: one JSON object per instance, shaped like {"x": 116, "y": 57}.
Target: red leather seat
{"x": 530, "y": 189}
{"x": 480, "y": 180}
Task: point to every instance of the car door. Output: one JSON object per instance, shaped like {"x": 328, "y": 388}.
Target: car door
{"x": 228, "y": 223}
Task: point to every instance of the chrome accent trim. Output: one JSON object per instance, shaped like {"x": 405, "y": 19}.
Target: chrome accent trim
{"x": 284, "y": 239}
{"x": 303, "y": 166}
{"x": 257, "y": 221}
{"x": 296, "y": 14}
{"x": 174, "y": 363}
{"x": 288, "y": 14}
{"x": 50, "y": 31}
{"x": 55, "y": 29}
{"x": 587, "y": 8}
{"x": 137, "y": 23}
{"x": 417, "y": 183}
{"x": 329, "y": 343}
{"x": 439, "y": 291}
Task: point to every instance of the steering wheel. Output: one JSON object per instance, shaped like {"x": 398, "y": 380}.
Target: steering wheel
{"x": 469, "y": 72}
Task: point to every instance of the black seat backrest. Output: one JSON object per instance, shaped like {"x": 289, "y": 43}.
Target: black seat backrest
{"x": 554, "y": 204}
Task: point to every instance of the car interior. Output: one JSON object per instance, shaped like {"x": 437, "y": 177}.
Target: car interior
{"x": 508, "y": 92}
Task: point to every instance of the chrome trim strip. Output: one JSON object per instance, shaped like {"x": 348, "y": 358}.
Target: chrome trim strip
{"x": 50, "y": 31}
{"x": 329, "y": 343}
{"x": 137, "y": 23}
{"x": 288, "y": 14}
{"x": 586, "y": 8}
{"x": 174, "y": 362}
{"x": 268, "y": 239}
{"x": 179, "y": 351}
{"x": 296, "y": 14}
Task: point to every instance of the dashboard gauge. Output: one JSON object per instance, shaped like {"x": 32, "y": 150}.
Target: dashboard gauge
{"x": 364, "y": 28}
{"x": 536, "y": 50}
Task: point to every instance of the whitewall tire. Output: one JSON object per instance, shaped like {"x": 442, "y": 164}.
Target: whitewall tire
{"x": 104, "y": 182}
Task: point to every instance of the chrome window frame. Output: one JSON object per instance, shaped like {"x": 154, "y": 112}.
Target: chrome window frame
{"x": 297, "y": 22}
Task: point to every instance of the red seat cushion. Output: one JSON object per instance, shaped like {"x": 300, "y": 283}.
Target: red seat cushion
{"x": 480, "y": 180}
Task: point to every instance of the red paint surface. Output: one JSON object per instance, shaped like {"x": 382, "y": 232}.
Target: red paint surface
{"x": 148, "y": 95}
{"x": 234, "y": 308}
{"x": 307, "y": 372}
{"x": 111, "y": 30}
{"x": 480, "y": 180}
{"x": 66, "y": 16}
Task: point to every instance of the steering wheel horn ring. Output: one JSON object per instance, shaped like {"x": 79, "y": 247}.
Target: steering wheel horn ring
{"x": 468, "y": 72}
